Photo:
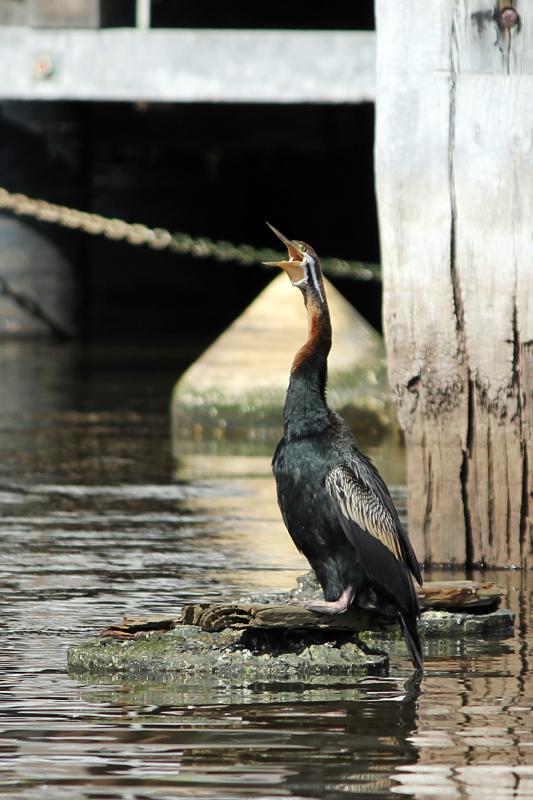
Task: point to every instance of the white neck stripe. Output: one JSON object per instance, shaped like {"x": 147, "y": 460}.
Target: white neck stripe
{"x": 311, "y": 264}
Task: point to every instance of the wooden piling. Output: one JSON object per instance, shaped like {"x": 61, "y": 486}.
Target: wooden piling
{"x": 454, "y": 165}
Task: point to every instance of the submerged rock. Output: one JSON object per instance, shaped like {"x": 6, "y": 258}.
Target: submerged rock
{"x": 442, "y": 632}
{"x": 237, "y": 387}
{"x": 270, "y": 647}
{"x": 451, "y": 634}
{"x": 231, "y": 654}
{"x": 435, "y": 624}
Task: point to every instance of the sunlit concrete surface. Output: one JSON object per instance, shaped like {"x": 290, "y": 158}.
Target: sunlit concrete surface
{"x": 238, "y": 385}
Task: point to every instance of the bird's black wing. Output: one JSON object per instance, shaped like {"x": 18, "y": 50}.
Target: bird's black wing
{"x": 362, "y": 501}
{"x": 370, "y": 522}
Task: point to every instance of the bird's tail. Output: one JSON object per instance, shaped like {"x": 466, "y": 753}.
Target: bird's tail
{"x": 410, "y": 634}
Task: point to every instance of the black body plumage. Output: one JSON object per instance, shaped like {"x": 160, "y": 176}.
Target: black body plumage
{"x": 334, "y": 503}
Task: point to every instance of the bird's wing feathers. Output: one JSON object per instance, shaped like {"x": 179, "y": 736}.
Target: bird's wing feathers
{"x": 359, "y": 503}
{"x": 361, "y": 497}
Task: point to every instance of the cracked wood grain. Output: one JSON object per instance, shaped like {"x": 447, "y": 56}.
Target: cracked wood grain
{"x": 454, "y": 174}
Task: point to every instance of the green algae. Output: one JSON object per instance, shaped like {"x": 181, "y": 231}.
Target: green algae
{"x": 232, "y": 654}
{"x": 252, "y": 654}
{"x": 359, "y": 394}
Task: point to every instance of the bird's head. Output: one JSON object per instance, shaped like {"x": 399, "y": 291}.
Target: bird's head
{"x": 302, "y": 265}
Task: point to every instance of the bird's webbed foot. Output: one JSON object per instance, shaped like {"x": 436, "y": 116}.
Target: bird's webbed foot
{"x": 329, "y": 606}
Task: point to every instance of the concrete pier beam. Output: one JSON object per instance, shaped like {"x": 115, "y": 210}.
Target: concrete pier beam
{"x": 237, "y": 387}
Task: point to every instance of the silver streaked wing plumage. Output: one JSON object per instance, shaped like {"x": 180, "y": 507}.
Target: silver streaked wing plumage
{"x": 357, "y": 501}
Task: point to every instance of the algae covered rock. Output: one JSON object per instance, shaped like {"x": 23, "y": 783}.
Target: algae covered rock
{"x": 237, "y": 387}
{"x": 274, "y": 640}
{"x": 435, "y": 624}
{"x": 231, "y": 654}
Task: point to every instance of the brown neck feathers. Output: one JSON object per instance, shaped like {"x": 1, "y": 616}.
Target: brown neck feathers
{"x": 316, "y": 348}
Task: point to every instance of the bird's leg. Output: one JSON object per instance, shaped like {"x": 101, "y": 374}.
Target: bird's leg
{"x": 332, "y": 606}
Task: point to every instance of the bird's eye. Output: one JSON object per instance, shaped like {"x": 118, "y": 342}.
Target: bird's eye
{"x": 303, "y": 249}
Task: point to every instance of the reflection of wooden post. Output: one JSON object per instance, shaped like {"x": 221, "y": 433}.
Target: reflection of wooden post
{"x": 454, "y": 163}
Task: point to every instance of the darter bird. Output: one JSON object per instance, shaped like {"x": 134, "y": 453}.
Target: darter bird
{"x": 333, "y": 500}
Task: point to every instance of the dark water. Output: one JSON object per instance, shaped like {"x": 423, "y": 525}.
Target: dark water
{"x": 99, "y": 518}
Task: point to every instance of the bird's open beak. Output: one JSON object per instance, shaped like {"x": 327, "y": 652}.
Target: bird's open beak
{"x": 293, "y": 266}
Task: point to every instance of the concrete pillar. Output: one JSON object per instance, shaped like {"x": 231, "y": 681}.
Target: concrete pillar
{"x": 236, "y": 389}
{"x": 40, "y": 265}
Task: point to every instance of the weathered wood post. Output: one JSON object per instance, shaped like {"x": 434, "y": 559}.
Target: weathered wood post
{"x": 454, "y": 164}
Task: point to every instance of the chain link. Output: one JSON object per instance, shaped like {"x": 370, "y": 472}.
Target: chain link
{"x": 160, "y": 239}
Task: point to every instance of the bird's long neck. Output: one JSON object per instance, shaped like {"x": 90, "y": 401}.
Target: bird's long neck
{"x": 306, "y": 411}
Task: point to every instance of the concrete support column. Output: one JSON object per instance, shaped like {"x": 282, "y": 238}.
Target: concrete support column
{"x": 40, "y": 265}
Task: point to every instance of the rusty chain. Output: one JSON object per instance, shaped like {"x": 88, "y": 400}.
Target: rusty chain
{"x": 161, "y": 239}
